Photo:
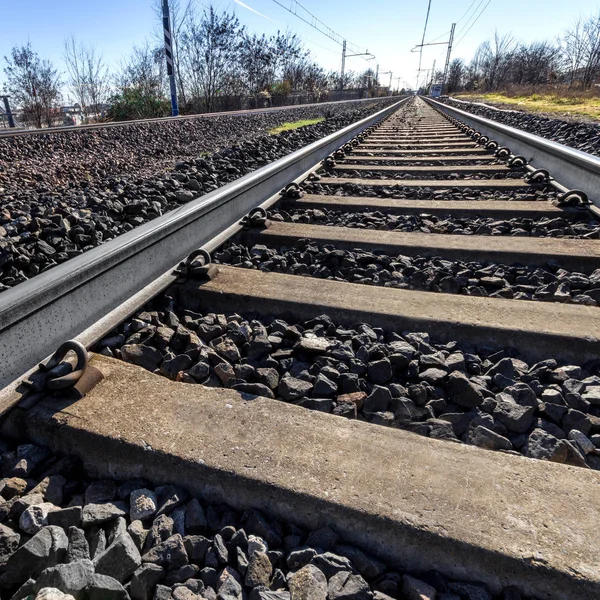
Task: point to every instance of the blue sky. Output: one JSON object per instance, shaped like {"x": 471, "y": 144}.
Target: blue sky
{"x": 388, "y": 29}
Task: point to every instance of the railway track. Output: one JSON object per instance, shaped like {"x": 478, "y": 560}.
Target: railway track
{"x": 399, "y": 347}
{"x": 6, "y": 133}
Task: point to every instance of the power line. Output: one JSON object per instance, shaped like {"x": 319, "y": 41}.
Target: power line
{"x": 440, "y": 37}
{"x": 475, "y": 21}
{"x": 423, "y": 41}
{"x": 466, "y": 11}
{"x": 316, "y": 23}
{"x": 473, "y": 14}
{"x": 457, "y": 22}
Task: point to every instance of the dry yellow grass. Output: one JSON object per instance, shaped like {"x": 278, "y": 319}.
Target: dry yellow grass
{"x": 295, "y": 125}
{"x": 584, "y": 105}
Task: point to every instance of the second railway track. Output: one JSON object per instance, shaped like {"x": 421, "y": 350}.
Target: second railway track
{"x": 429, "y": 292}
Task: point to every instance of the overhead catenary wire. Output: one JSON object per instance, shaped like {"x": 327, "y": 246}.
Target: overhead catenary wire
{"x": 317, "y": 24}
{"x": 466, "y": 12}
{"x": 473, "y": 14}
{"x": 423, "y": 42}
{"x": 475, "y": 21}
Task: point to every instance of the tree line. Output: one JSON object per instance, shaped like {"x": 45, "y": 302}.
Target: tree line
{"x": 503, "y": 61}
{"x": 217, "y": 62}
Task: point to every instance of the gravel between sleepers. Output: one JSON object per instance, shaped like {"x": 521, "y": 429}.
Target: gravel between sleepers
{"x": 580, "y": 226}
{"x": 482, "y": 396}
{"x": 66, "y": 536}
{"x": 403, "y": 189}
{"x": 425, "y": 175}
{"x": 431, "y": 274}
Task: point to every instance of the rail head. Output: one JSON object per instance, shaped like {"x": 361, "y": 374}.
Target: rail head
{"x": 572, "y": 168}
{"x": 39, "y": 314}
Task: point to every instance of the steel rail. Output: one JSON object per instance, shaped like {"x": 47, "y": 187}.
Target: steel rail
{"x": 37, "y": 315}
{"x": 232, "y": 113}
{"x": 572, "y": 168}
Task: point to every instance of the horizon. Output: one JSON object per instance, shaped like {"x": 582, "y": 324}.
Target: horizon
{"x": 114, "y": 28}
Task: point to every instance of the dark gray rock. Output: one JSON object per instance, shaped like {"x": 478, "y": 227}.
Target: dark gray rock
{"x": 513, "y": 416}
{"x": 162, "y": 592}
{"x": 182, "y": 575}
{"x": 103, "y": 587}
{"x": 9, "y": 542}
{"x": 196, "y": 547}
{"x": 331, "y": 564}
{"x": 229, "y": 585}
{"x": 97, "y": 514}
{"x": 486, "y": 438}
{"x": 162, "y": 529}
{"x": 292, "y": 388}
{"x": 308, "y": 583}
{"x": 462, "y": 391}
{"x": 434, "y": 376}
{"x": 195, "y": 519}
{"x": 265, "y": 594}
{"x": 45, "y": 549}
{"x": 138, "y": 534}
{"x": 368, "y": 566}
{"x": 144, "y": 580}
{"x": 170, "y": 554}
{"x": 141, "y": 355}
{"x": 348, "y": 586}
{"x": 379, "y": 399}
{"x": 66, "y": 517}
{"x": 79, "y": 548}
{"x": 259, "y": 570}
{"x": 380, "y": 371}
{"x": 72, "y": 578}
{"x": 545, "y": 446}
{"x": 300, "y": 557}
{"x": 120, "y": 560}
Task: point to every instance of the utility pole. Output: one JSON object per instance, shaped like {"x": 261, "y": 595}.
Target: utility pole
{"x": 390, "y": 74}
{"x": 345, "y": 56}
{"x": 9, "y": 115}
{"x": 448, "y": 56}
{"x": 343, "y": 66}
{"x": 377, "y": 76}
{"x": 432, "y": 74}
{"x": 169, "y": 57}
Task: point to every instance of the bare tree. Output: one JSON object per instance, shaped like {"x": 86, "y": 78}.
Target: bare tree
{"x": 88, "y": 75}
{"x": 534, "y": 64}
{"x": 209, "y": 51}
{"x": 456, "y": 74}
{"x": 33, "y": 83}
{"x": 140, "y": 84}
{"x": 572, "y": 46}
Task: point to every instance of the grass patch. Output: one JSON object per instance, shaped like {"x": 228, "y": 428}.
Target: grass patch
{"x": 295, "y": 125}
{"x": 545, "y": 102}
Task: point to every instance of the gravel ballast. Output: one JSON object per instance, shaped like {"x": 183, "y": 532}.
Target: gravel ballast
{"x": 487, "y": 397}
{"x": 66, "y": 536}
{"x": 46, "y": 160}
{"x": 580, "y": 226}
{"x": 579, "y": 135}
{"x": 44, "y": 227}
{"x": 432, "y": 274}
{"x": 405, "y": 190}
